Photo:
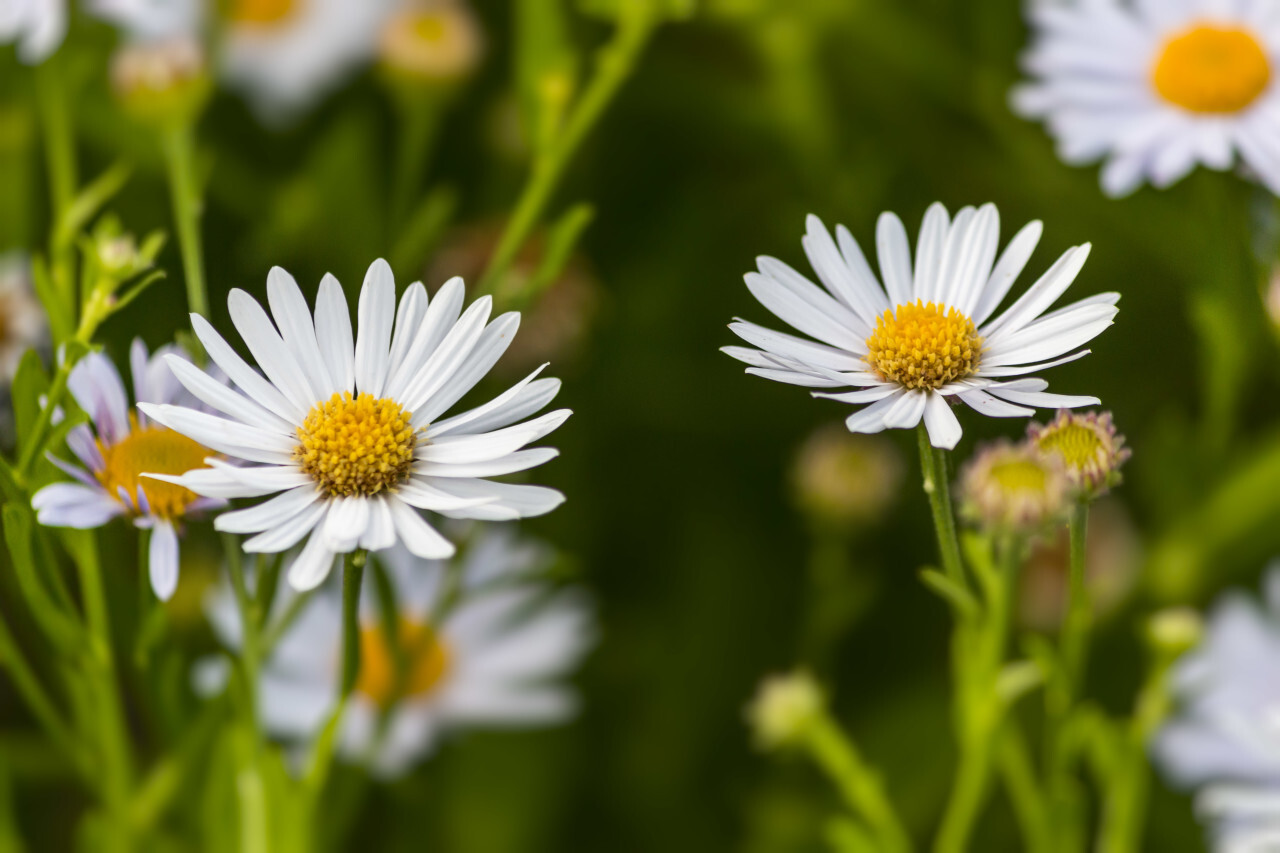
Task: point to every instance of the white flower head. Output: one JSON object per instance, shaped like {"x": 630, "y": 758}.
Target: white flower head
{"x": 284, "y": 54}
{"x": 38, "y": 26}
{"x": 152, "y": 20}
{"x": 490, "y": 661}
{"x": 23, "y": 324}
{"x": 930, "y": 335}
{"x": 116, "y": 451}
{"x": 351, "y": 432}
{"x": 1225, "y": 742}
{"x": 1155, "y": 87}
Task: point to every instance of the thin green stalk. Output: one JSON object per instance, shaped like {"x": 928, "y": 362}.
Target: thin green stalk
{"x": 616, "y": 61}
{"x": 1025, "y": 793}
{"x": 60, "y": 161}
{"x": 112, "y": 732}
{"x": 1077, "y": 624}
{"x": 419, "y": 123}
{"x": 1125, "y": 808}
{"x": 858, "y": 783}
{"x": 352, "y": 576}
{"x": 35, "y": 444}
{"x": 188, "y": 207}
{"x": 249, "y": 740}
{"x": 38, "y": 701}
{"x": 937, "y": 486}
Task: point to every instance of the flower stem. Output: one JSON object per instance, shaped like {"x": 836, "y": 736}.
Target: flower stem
{"x": 1076, "y": 626}
{"x": 352, "y": 575}
{"x": 858, "y": 783}
{"x": 937, "y": 486}
{"x": 617, "y": 59}
{"x": 188, "y": 207}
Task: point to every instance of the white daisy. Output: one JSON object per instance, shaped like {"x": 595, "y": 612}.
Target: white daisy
{"x": 286, "y": 53}
{"x": 23, "y": 324}
{"x": 1157, "y": 86}
{"x": 352, "y": 433}
{"x": 115, "y": 452}
{"x": 927, "y": 334}
{"x": 152, "y": 20}
{"x": 38, "y": 26}
{"x": 490, "y": 661}
{"x": 1226, "y": 740}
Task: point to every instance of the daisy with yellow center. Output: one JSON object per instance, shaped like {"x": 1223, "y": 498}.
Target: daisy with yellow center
{"x": 1013, "y": 488}
{"x": 1156, "y": 87}
{"x": 930, "y": 335}
{"x": 491, "y": 660}
{"x": 431, "y": 41}
{"x": 1090, "y": 448}
{"x": 285, "y": 54}
{"x": 119, "y": 449}
{"x": 351, "y": 431}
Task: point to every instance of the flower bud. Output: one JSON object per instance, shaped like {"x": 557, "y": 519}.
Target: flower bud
{"x": 1174, "y": 631}
{"x": 431, "y": 42}
{"x": 161, "y": 82}
{"x": 784, "y": 708}
{"x": 842, "y": 479}
{"x": 1090, "y": 449}
{"x": 1013, "y": 488}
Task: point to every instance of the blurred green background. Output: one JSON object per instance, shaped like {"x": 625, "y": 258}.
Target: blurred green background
{"x": 680, "y": 517}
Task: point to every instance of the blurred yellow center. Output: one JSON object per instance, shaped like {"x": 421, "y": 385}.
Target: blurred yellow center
{"x": 152, "y": 450}
{"x": 1078, "y": 445}
{"x": 924, "y": 345}
{"x": 1020, "y": 475}
{"x": 263, "y": 12}
{"x": 1212, "y": 69}
{"x": 427, "y": 27}
{"x": 425, "y": 659}
{"x": 356, "y": 446}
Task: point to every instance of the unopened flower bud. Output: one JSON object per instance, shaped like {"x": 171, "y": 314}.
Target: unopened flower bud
{"x": 161, "y": 82}
{"x": 1013, "y": 488}
{"x": 431, "y": 42}
{"x": 784, "y": 708}
{"x": 1091, "y": 450}
{"x": 1174, "y": 631}
{"x": 842, "y": 479}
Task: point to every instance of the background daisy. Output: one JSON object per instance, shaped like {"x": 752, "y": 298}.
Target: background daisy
{"x": 1157, "y": 86}
{"x": 38, "y": 26}
{"x": 491, "y": 661}
{"x": 117, "y": 448}
{"x": 928, "y": 334}
{"x": 351, "y": 432}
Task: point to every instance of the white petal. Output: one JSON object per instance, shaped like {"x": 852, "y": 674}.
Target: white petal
{"x": 346, "y": 522}
{"x": 289, "y": 532}
{"x": 333, "y": 334}
{"x": 380, "y": 534}
{"x": 376, "y": 315}
{"x": 268, "y": 514}
{"x": 796, "y": 348}
{"x": 312, "y": 566}
{"x": 457, "y": 449}
{"x": 1008, "y": 268}
{"x": 981, "y": 401}
{"x": 421, "y": 494}
{"x": 293, "y": 318}
{"x": 521, "y": 460}
{"x": 276, "y": 478}
{"x": 213, "y": 393}
{"x": 1043, "y": 400}
{"x": 871, "y": 418}
{"x": 894, "y": 252}
{"x": 1042, "y": 294}
{"x": 224, "y": 436}
{"x": 865, "y": 395}
{"x": 493, "y": 342}
{"x": 513, "y": 500}
{"x": 450, "y": 355}
{"x": 516, "y": 403}
{"x": 409, "y": 316}
{"x": 942, "y": 423}
{"x": 930, "y": 247}
{"x": 269, "y": 350}
{"x": 74, "y": 505}
{"x": 854, "y": 287}
{"x": 441, "y": 315}
{"x": 96, "y": 386}
{"x": 163, "y": 560}
{"x": 907, "y": 411}
{"x": 211, "y": 484}
{"x": 420, "y": 538}
{"x": 804, "y": 306}
{"x": 259, "y": 389}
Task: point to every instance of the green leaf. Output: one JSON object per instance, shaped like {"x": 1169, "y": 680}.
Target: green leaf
{"x": 561, "y": 240}
{"x": 673, "y": 10}
{"x": 58, "y": 626}
{"x": 29, "y": 383}
{"x": 61, "y": 314}
{"x": 952, "y": 592}
{"x": 92, "y": 199}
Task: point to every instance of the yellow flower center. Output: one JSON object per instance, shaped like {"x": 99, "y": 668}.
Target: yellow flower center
{"x": 1211, "y": 69}
{"x": 1020, "y": 475}
{"x": 262, "y": 12}
{"x": 428, "y": 27}
{"x": 1078, "y": 445}
{"x": 357, "y": 446}
{"x": 426, "y": 661}
{"x": 924, "y": 345}
{"x": 152, "y": 450}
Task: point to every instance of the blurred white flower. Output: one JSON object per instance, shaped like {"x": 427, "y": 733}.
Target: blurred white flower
{"x": 152, "y": 20}
{"x": 352, "y": 433}
{"x": 23, "y": 324}
{"x": 926, "y": 337}
{"x": 117, "y": 449}
{"x": 284, "y": 54}
{"x": 38, "y": 26}
{"x": 1157, "y": 86}
{"x": 491, "y": 661}
{"x": 1225, "y": 742}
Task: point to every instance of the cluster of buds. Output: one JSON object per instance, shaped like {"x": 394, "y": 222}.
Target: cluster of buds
{"x": 1030, "y": 485}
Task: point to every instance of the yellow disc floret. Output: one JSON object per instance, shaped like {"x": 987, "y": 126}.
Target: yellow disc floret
{"x": 262, "y": 12}
{"x": 152, "y": 450}
{"x": 425, "y": 662}
{"x": 1087, "y": 445}
{"x": 1020, "y": 475}
{"x": 356, "y": 446}
{"x": 924, "y": 345}
{"x": 1211, "y": 69}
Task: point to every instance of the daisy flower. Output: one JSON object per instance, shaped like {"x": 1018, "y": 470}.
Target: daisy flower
{"x": 928, "y": 337}
{"x": 1156, "y": 86}
{"x": 286, "y": 53}
{"x": 1226, "y": 741}
{"x": 23, "y": 324}
{"x": 351, "y": 433}
{"x": 489, "y": 661}
{"x": 115, "y": 452}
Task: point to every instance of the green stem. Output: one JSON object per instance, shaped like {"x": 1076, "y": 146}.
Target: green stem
{"x": 117, "y": 771}
{"x": 858, "y": 783}
{"x": 352, "y": 576}
{"x": 419, "y": 121}
{"x": 250, "y": 787}
{"x": 35, "y": 443}
{"x": 188, "y": 207}
{"x": 937, "y": 486}
{"x": 1024, "y": 791}
{"x": 1076, "y": 626}
{"x": 38, "y": 701}
{"x": 1125, "y": 805}
{"x": 616, "y": 61}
